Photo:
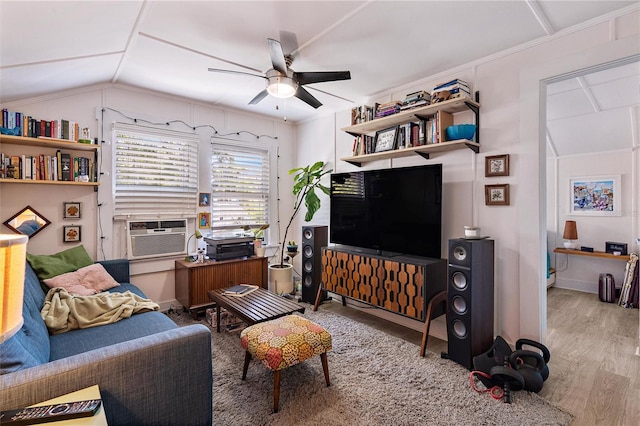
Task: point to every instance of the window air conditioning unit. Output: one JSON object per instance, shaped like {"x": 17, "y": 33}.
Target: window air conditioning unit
{"x": 156, "y": 238}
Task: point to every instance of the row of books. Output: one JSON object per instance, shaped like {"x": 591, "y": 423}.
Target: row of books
{"x": 58, "y": 167}
{"x": 19, "y": 124}
{"x": 442, "y": 92}
{"x": 412, "y": 134}
{"x": 415, "y": 100}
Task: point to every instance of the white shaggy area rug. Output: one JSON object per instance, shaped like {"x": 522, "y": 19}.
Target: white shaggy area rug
{"x": 376, "y": 379}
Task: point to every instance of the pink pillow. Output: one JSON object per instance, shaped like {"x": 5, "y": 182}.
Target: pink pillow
{"x": 85, "y": 281}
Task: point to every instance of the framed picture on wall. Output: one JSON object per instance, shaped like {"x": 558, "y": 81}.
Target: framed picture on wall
{"x": 496, "y": 195}
{"x": 204, "y": 220}
{"x": 204, "y": 199}
{"x": 595, "y": 196}
{"x": 71, "y": 234}
{"x": 71, "y": 210}
{"x": 496, "y": 165}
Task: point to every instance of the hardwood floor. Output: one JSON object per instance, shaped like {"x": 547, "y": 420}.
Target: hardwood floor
{"x": 594, "y": 372}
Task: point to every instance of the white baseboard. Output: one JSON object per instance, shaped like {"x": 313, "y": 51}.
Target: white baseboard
{"x": 584, "y": 286}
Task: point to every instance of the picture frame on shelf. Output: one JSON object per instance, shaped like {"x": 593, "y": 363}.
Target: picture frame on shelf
{"x": 204, "y": 199}
{"x": 386, "y": 139}
{"x": 71, "y": 210}
{"x": 595, "y": 196}
{"x": 496, "y": 165}
{"x": 496, "y": 195}
{"x": 204, "y": 220}
{"x": 72, "y": 234}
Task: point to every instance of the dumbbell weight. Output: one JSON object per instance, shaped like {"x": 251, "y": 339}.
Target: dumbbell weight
{"x": 546, "y": 355}
{"x": 530, "y": 365}
{"x": 508, "y": 378}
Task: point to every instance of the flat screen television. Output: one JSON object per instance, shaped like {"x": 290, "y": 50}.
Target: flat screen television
{"x": 391, "y": 210}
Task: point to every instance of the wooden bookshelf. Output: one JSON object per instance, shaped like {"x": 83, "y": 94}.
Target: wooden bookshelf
{"x": 423, "y": 150}
{"x": 420, "y": 113}
{"x": 49, "y": 143}
{"x": 600, "y": 254}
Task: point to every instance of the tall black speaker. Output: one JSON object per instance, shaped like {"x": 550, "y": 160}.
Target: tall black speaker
{"x": 470, "y": 299}
{"x": 313, "y": 239}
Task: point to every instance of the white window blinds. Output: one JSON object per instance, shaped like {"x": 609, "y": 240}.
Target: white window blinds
{"x": 155, "y": 171}
{"x": 239, "y": 186}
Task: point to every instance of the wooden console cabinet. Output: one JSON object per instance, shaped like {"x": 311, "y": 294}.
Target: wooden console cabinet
{"x": 401, "y": 284}
{"x": 194, "y": 280}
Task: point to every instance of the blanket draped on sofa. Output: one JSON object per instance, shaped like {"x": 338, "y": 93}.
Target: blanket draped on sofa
{"x": 63, "y": 312}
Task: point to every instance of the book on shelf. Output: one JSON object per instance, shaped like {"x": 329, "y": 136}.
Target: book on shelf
{"x": 239, "y": 290}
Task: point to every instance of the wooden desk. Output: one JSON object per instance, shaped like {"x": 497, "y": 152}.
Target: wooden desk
{"x": 258, "y": 306}
{"x": 600, "y": 254}
{"x": 194, "y": 280}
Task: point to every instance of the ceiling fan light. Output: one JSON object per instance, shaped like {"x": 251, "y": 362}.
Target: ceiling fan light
{"x": 281, "y": 87}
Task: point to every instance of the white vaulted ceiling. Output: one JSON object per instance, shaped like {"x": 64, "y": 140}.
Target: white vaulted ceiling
{"x": 167, "y": 46}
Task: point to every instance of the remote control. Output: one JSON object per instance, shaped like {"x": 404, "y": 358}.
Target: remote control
{"x": 50, "y": 413}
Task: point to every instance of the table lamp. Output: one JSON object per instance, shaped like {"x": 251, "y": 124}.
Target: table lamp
{"x": 196, "y": 234}
{"x": 13, "y": 254}
{"x": 570, "y": 234}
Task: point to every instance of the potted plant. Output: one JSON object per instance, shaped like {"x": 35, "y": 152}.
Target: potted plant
{"x": 258, "y": 233}
{"x": 305, "y": 181}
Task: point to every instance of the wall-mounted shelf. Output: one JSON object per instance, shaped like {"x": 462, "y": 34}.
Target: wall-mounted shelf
{"x": 47, "y": 143}
{"x": 600, "y": 254}
{"x": 423, "y": 150}
{"x": 420, "y": 113}
{"x": 49, "y": 182}
{"x": 50, "y": 143}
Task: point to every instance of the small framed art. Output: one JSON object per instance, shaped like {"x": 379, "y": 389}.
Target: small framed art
{"x": 386, "y": 139}
{"x": 496, "y": 165}
{"x": 71, "y": 234}
{"x": 71, "y": 210}
{"x": 204, "y": 220}
{"x": 496, "y": 195}
{"x": 204, "y": 199}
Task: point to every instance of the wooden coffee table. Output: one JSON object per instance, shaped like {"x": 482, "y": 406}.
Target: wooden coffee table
{"x": 258, "y": 306}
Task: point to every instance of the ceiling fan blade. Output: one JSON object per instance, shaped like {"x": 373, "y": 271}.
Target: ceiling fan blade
{"x": 277, "y": 57}
{"x": 236, "y": 72}
{"x": 289, "y": 42}
{"x": 307, "y": 97}
{"x": 260, "y": 96}
{"x": 321, "y": 76}
{"x": 329, "y": 94}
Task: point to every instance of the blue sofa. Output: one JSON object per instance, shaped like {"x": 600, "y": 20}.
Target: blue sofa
{"x": 150, "y": 371}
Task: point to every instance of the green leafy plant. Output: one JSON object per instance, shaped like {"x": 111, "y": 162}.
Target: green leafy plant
{"x": 305, "y": 181}
{"x": 257, "y": 232}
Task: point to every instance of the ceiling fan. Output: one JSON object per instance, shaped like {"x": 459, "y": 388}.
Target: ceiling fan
{"x": 283, "y": 82}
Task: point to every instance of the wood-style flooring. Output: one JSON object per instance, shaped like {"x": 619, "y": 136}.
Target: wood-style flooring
{"x": 594, "y": 372}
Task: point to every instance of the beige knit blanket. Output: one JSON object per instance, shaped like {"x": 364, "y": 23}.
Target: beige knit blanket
{"x": 63, "y": 312}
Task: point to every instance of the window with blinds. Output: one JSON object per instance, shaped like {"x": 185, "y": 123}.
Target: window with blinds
{"x": 239, "y": 186}
{"x": 155, "y": 171}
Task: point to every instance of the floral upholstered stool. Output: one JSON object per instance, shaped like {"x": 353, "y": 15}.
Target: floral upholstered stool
{"x": 283, "y": 342}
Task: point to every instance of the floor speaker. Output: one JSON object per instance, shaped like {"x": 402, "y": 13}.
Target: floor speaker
{"x": 470, "y": 299}
{"x": 313, "y": 239}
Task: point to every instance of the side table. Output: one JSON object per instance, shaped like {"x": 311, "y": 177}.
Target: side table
{"x": 194, "y": 280}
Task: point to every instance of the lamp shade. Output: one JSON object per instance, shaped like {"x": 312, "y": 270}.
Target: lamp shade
{"x": 570, "y": 230}
{"x": 13, "y": 254}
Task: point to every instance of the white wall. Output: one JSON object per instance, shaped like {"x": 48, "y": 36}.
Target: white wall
{"x": 509, "y": 85}
{"x": 98, "y": 107}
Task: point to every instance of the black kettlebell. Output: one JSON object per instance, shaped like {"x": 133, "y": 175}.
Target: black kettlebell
{"x": 530, "y": 365}
{"x": 546, "y": 355}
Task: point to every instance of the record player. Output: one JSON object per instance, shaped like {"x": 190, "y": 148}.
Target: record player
{"x": 222, "y": 248}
